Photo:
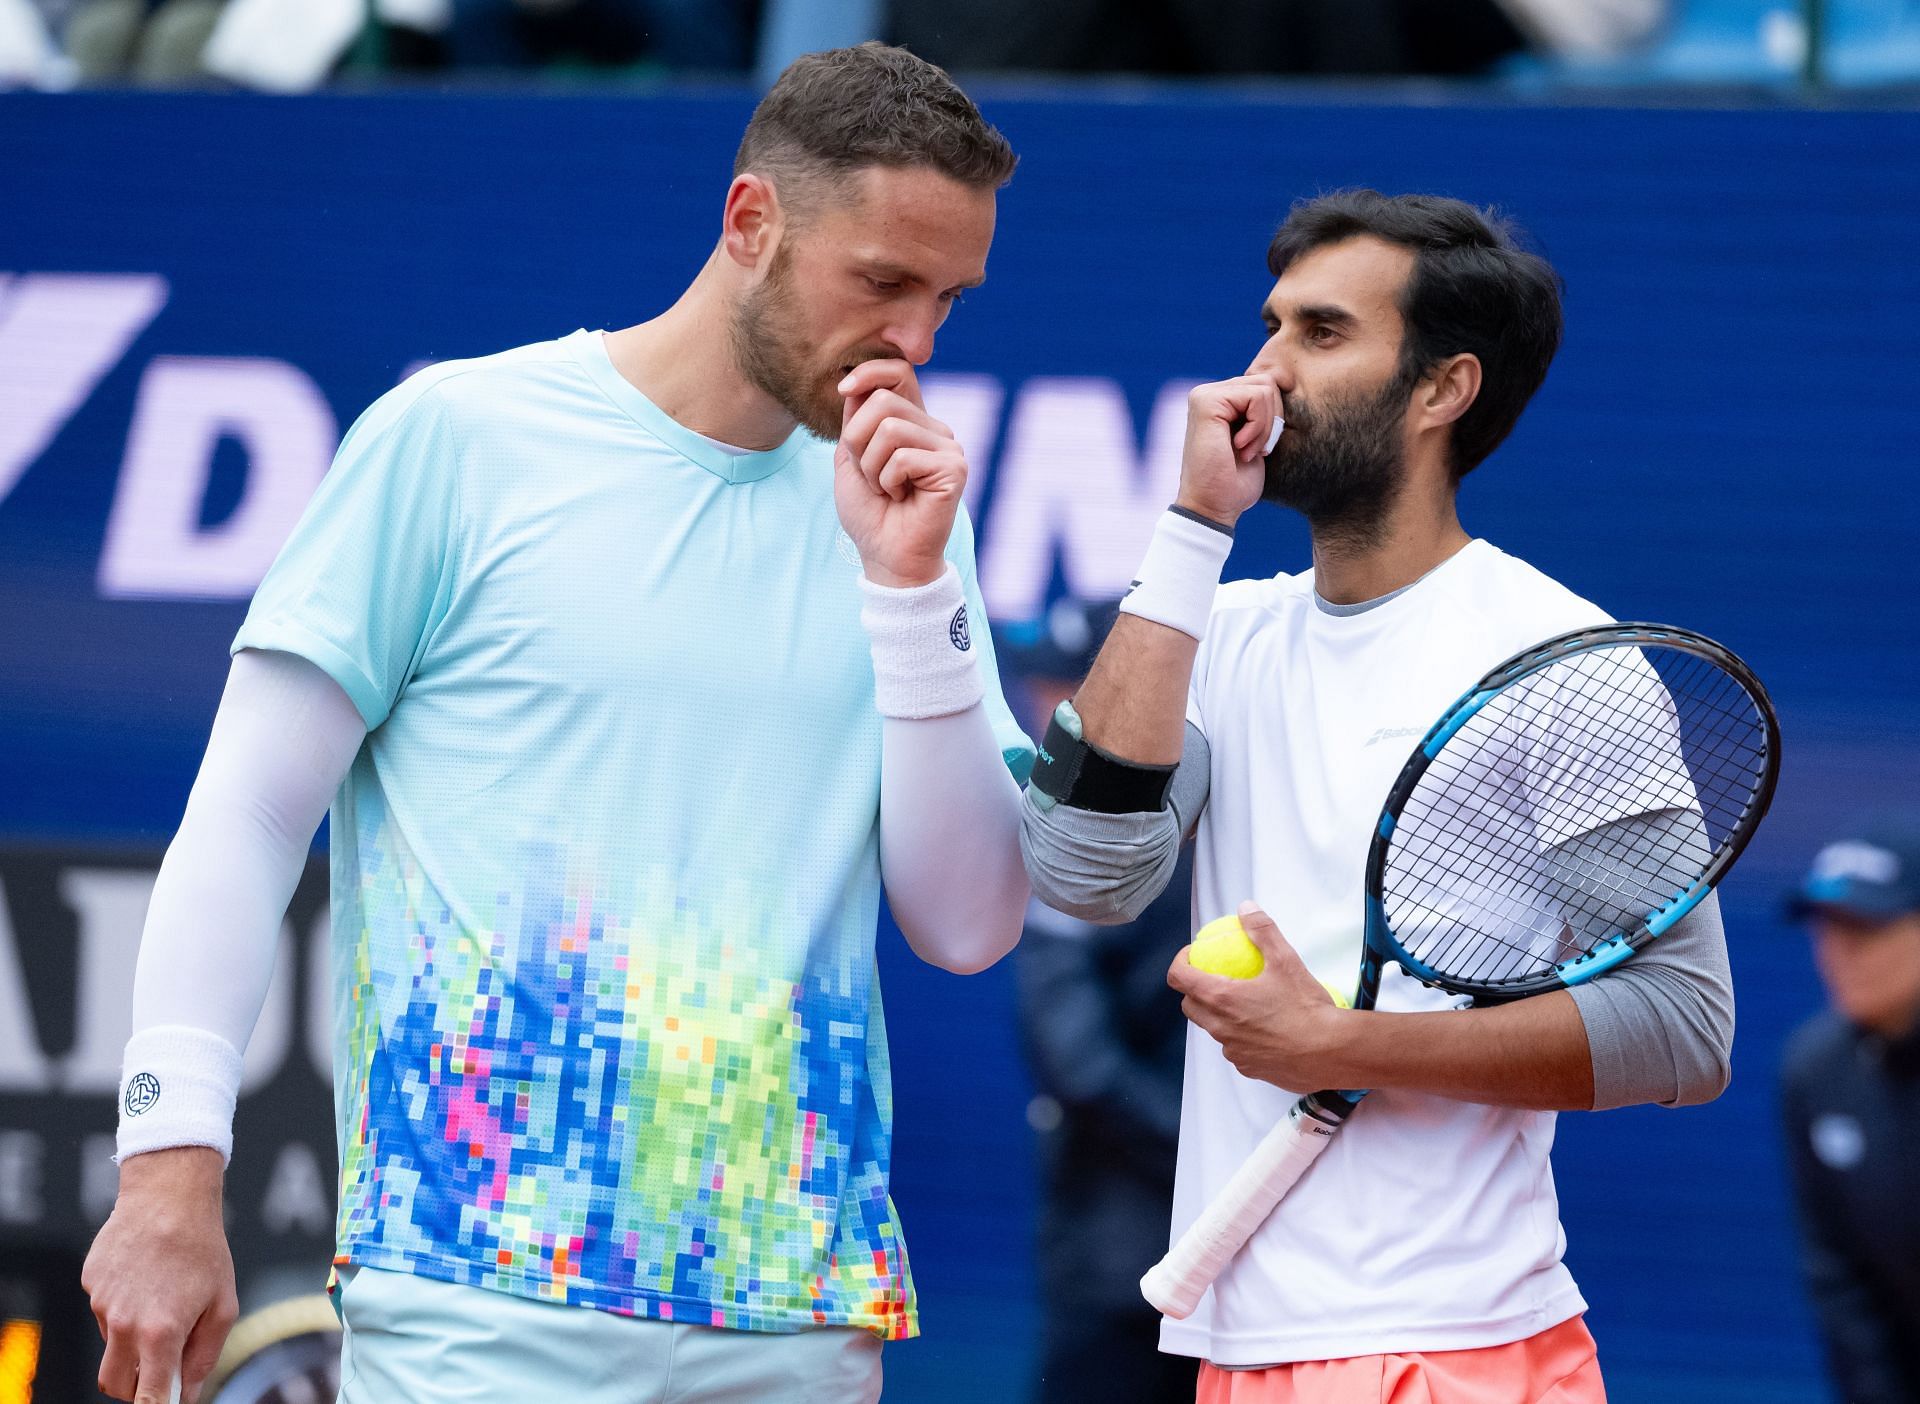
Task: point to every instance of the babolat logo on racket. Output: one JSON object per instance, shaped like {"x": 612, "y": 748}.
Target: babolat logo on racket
{"x": 957, "y": 630}
{"x": 143, "y": 1090}
{"x": 1395, "y": 733}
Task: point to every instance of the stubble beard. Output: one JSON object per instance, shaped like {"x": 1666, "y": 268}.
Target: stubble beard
{"x": 776, "y": 361}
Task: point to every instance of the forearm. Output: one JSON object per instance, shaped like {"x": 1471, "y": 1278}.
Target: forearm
{"x": 283, "y": 738}
{"x": 1134, "y": 701}
{"x": 949, "y": 808}
{"x": 1133, "y": 704}
{"x": 1532, "y": 1054}
{"x": 950, "y": 839}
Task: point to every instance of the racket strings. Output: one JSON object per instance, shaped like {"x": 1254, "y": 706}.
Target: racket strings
{"x": 1572, "y": 806}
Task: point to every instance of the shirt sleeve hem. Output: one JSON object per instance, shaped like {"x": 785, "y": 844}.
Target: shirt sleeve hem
{"x": 282, "y": 636}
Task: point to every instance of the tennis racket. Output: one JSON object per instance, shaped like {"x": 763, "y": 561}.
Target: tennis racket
{"x": 1572, "y": 806}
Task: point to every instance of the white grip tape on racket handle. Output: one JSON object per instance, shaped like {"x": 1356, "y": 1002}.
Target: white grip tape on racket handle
{"x": 1176, "y": 1283}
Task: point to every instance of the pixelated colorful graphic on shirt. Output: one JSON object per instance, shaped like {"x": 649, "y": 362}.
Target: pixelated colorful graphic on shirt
{"x": 646, "y": 1115}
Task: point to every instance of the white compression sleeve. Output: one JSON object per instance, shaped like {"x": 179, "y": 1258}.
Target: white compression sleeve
{"x": 949, "y": 810}
{"x": 950, "y": 839}
{"x": 282, "y": 741}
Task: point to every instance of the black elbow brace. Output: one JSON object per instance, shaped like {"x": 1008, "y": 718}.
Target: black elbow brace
{"x": 1074, "y": 772}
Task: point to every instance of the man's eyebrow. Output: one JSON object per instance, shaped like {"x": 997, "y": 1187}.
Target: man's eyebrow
{"x": 894, "y": 273}
{"x": 1327, "y": 313}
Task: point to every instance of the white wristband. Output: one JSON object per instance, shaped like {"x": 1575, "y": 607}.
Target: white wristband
{"x": 1179, "y": 573}
{"x": 923, "y": 658}
{"x": 178, "y": 1087}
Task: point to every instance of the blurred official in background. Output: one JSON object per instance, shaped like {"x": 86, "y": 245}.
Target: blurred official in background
{"x": 1851, "y": 1099}
{"x": 1106, "y": 1043}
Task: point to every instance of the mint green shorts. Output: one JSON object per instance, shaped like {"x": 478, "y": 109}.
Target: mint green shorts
{"x": 414, "y": 1339}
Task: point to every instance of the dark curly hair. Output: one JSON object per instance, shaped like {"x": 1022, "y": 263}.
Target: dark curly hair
{"x": 1473, "y": 288}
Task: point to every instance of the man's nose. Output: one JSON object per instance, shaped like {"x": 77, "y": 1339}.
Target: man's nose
{"x": 912, "y": 337}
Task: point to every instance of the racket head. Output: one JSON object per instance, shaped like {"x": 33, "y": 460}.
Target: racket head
{"x": 1571, "y": 806}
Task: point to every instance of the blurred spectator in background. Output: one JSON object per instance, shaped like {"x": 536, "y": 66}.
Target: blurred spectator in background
{"x": 1106, "y": 1043}
{"x": 298, "y": 45}
{"x": 29, "y": 58}
{"x": 1851, "y": 1100}
{"x": 699, "y": 36}
{"x": 1251, "y": 37}
{"x": 155, "y": 43}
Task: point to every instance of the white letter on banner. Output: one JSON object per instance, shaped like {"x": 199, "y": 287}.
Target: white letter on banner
{"x": 23, "y": 1156}
{"x": 23, "y": 1067}
{"x": 59, "y": 336}
{"x": 111, "y": 904}
{"x": 156, "y": 548}
{"x": 970, "y": 406}
{"x": 1072, "y": 481}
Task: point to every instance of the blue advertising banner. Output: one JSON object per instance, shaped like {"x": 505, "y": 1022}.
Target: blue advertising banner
{"x": 199, "y": 293}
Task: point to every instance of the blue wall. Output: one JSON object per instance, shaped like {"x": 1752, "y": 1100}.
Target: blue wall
{"x": 1729, "y": 441}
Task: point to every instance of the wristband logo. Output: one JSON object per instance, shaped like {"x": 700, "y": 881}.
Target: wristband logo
{"x": 957, "y": 630}
{"x": 142, "y": 1092}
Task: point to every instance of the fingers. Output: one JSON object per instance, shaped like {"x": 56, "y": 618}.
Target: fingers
{"x": 891, "y": 374}
{"x": 1184, "y": 975}
{"x": 863, "y": 417}
{"x": 142, "y": 1364}
{"x": 153, "y": 1344}
{"x": 1259, "y": 413}
{"x": 899, "y": 448}
{"x": 202, "y": 1352}
{"x": 895, "y": 435}
{"x": 919, "y": 471}
{"x": 120, "y": 1365}
{"x": 1263, "y": 932}
{"x": 159, "y": 1383}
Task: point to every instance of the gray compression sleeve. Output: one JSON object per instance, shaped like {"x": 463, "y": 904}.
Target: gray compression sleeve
{"x": 1659, "y": 1028}
{"x": 1106, "y": 868}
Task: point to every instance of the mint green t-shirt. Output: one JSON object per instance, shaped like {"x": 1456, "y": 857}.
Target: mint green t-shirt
{"x": 606, "y": 870}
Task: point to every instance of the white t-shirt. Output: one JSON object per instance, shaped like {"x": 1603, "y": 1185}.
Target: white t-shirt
{"x": 1428, "y": 1224}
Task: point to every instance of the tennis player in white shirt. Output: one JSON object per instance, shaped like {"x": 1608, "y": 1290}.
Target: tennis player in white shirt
{"x": 1268, "y": 719}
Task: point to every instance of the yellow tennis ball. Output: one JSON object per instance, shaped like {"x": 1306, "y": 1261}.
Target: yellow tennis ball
{"x": 1222, "y": 947}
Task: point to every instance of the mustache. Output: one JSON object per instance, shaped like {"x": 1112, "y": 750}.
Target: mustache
{"x": 861, "y": 355}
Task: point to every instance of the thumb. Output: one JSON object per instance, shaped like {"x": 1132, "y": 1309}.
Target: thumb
{"x": 1266, "y": 936}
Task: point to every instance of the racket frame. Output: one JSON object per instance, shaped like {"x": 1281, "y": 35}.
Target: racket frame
{"x": 1381, "y": 944}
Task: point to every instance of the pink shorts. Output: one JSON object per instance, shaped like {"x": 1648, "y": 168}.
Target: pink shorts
{"x": 1558, "y": 1366}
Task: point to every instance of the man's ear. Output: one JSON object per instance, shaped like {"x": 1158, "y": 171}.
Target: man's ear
{"x": 1448, "y": 390}
{"x": 751, "y": 223}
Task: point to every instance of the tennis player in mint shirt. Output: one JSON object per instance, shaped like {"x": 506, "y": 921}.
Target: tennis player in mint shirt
{"x": 632, "y": 666}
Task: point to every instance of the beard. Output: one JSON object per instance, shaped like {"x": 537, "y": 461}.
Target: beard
{"x": 1341, "y": 466}
{"x": 779, "y": 360}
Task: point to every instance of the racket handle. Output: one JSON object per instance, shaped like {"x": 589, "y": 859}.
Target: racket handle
{"x": 1176, "y": 1283}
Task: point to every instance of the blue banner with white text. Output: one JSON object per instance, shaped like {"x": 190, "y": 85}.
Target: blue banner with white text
{"x": 198, "y": 293}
